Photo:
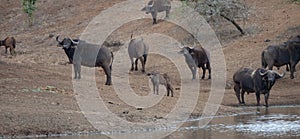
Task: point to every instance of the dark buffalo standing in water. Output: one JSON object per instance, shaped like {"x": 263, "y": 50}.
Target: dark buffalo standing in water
{"x": 91, "y": 55}
{"x": 283, "y": 54}
{"x": 259, "y": 81}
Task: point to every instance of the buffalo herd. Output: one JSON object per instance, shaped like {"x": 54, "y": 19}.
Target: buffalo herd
{"x": 261, "y": 80}
{"x": 258, "y": 81}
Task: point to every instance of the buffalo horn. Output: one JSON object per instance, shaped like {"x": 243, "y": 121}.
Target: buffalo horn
{"x": 73, "y": 41}
{"x": 280, "y": 75}
{"x": 57, "y": 39}
{"x": 263, "y": 73}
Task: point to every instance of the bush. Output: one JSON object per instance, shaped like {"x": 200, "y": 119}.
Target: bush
{"x": 29, "y": 7}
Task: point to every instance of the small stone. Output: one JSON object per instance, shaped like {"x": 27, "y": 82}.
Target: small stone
{"x": 51, "y": 35}
{"x": 139, "y": 109}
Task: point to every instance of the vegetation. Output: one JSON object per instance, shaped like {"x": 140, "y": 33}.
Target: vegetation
{"x": 29, "y": 7}
{"x": 214, "y": 10}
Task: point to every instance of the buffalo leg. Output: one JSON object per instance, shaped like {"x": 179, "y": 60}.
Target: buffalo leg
{"x": 154, "y": 21}
{"x": 132, "y": 64}
{"x": 145, "y": 58}
{"x": 108, "y": 75}
{"x": 77, "y": 69}
{"x": 154, "y": 88}
{"x": 242, "y": 95}
{"x": 193, "y": 70}
{"x": 293, "y": 66}
{"x": 143, "y": 64}
{"x": 136, "y": 64}
{"x": 270, "y": 67}
{"x": 6, "y": 50}
{"x": 266, "y": 99}
{"x": 170, "y": 90}
{"x": 12, "y": 51}
{"x": 203, "y": 74}
{"x": 287, "y": 67}
{"x": 154, "y": 14}
{"x": 237, "y": 93}
{"x": 157, "y": 88}
{"x": 257, "y": 98}
{"x": 167, "y": 13}
{"x": 209, "y": 70}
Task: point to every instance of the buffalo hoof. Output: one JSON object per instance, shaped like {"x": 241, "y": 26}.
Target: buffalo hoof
{"x": 292, "y": 77}
{"x": 143, "y": 71}
{"x": 108, "y": 84}
{"x": 136, "y": 69}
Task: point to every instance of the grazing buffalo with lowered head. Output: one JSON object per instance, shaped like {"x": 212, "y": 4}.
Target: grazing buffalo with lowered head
{"x": 197, "y": 57}
{"x": 9, "y": 42}
{"x": 139, "y": 50}
{"x": 259, "y": 81}
{"x": 156, "y": 6}
{"x": 87, "y": 54}
{"x": 163, "y": 79}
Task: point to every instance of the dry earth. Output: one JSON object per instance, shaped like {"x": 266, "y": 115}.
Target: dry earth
{"x": 36, "y": 95}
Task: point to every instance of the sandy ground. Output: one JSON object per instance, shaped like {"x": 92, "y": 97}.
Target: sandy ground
{"x": 36, "y": 92}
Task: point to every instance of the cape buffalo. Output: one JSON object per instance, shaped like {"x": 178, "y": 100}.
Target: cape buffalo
{"x": 87, "y": 54}
{"x": 259, "y": 81}
{"x": 275, "y": 55}
{"x": 139, "y": 50}
{"x": 294, "y": 51}
{"x": 9, "y": 42}
{"x": 163, "y": 79}
{"x": 156, "y": 6}
{"x": 279, "y": 55}
{"x": 197, "y": 57}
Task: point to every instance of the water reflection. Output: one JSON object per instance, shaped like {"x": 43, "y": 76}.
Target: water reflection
{"x": 279, "y": 122}
{"x": 275, "y": 122}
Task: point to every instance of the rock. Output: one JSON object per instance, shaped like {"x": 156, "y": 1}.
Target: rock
{"x": 139, "y": 109}
{"x": 51, "y": 35}
{"x": 125, "y": 112}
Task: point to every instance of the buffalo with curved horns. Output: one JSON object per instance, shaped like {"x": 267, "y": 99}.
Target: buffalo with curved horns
{"x": 197, "y": 57}
{"x": 259, "y": 81}
{"x": 83, "y": 53}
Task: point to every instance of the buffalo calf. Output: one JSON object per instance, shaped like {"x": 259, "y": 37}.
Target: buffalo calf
{"x": 163, "y": 79}
{"x": 9, "y": 42}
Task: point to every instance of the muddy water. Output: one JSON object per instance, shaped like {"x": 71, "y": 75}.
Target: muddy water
{"x": 275, "y": 122}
